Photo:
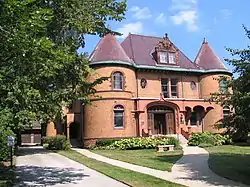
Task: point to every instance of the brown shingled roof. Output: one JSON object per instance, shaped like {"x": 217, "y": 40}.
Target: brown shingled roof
{"x": 109, "y": 49}
{"x": 207, "y": 59}
{"x": 140, "y": 49}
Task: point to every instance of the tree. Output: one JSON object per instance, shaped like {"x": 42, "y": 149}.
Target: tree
{"x": 238, "y": 122}
{"x": 40, "y": 70}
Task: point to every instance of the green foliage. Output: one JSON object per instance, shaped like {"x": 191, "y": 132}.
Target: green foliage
{"x": 206, "y": 138}
{"x": 142, "y": 143}
{"x": 40, "y": 70}
{"x": 105, "y": 142}
{"x": 58, "y": 142}
{"x": 203, "y": 145}
{"x": 237, "y": 123}
{"x": 5, "y": 131}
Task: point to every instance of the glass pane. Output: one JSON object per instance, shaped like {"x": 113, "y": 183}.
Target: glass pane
{"x": 117, "y": 81}
{"x": 174, "y": 82}
{"x": 118, "y": 119}
{"x": 163, "y": 57}
{"x": 171, "y": 58}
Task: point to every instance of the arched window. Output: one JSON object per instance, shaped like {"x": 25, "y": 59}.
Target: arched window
{"x": 117, "y": 81}
{"x": 118, "y": 116}
{"x": 226, "y": 111}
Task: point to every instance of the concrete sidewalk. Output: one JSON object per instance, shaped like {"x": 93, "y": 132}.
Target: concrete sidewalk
{"x": 191, "y": 170}
{"x": 40, "y": 168}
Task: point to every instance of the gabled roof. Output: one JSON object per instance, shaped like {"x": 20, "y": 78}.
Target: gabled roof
{"x": 207, "y": 59}
{"x": 109, "y": 49}
{"x": 139, "y": 48}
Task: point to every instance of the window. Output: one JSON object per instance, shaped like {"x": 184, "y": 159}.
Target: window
{"x": 163, "y": 57}
{"x": 171, "y": 58}
{"x": 164, "y": 88}
{"x": 193, "y": 119}
{"x": 193, "y": 85}
{"x": 174, "y": 88}
{"x": 118, "y": 116}
{"x": 167, "y": 86}
{"x": 223, "y": 86}
{"x": 226, "y": 111}
{"x": 117, "y": 81}
{"x": 167, "y": 57}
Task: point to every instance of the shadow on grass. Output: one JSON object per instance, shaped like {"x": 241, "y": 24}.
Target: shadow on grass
{"x": 7, "y": 176}
{"x": 46, "y": 176}
{"x": 235, "y": 167}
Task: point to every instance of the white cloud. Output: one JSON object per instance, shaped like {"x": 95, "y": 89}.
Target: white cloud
{"x": 185, "y": 12}
{"x": 226, "y": 13}
{"x": 135, "y": 28}
{"x": 141, "y": 13}
{"x": 161, "y": 19}
{"x": 134, "y": 8}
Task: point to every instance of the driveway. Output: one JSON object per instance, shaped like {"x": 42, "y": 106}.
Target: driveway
{"x": 36, "y": 167}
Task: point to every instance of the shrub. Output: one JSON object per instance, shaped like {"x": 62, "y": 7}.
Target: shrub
{"x": 4, "y": 149}
{"x": 203, "y": 145}
{"x": 143, "y": 143}
{"x": 104, "y": 142}
{"x": 58, "y": 142}
{"x": 206, "y": 138}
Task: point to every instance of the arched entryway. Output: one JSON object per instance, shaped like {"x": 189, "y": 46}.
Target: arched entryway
{"x": 161, "y": 120}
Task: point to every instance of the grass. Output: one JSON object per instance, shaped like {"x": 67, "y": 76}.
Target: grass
{"x": 7, "y": 176}
{"x": 231, "y": 161}
{"x": 144, "y": 157}
{"x": 126, "y": 176}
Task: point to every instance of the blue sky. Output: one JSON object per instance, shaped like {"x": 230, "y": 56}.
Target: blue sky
{"x": 187, "y": 22}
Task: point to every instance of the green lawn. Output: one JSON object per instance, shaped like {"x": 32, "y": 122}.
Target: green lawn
{"x": 6, "y": 176}
{"x": 144, "y": 157}
{"x": 231, "y": 161}
{"x": 126, "y": 176}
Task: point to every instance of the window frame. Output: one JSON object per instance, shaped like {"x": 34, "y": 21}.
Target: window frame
{"x": 174, "y": 58}
{"x": 113, "y": 81}
{"x": 167, "y": 87}
{"x": 118, "y": 109}
{"x": 165, "y": 59}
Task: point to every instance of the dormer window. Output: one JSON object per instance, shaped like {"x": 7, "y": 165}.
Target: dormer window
{"x": 167, "y": 57}
{"x": 163, "y": 57}
{"x": 171, "y": 58}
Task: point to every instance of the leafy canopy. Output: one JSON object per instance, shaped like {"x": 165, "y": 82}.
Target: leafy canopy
{"x": 40, "y": 70}
{"x": 238, "y": 122}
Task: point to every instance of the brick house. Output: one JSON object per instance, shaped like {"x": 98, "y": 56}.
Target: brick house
{"x": 153, "y": 89}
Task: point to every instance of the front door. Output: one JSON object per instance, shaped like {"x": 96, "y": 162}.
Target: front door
{"x": 170, "y": 123}
{"x": 159, "y": 124}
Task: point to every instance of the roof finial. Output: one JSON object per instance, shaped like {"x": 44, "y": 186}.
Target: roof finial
{"x": 204, "y": 41}
{"x": 166, "y": 36}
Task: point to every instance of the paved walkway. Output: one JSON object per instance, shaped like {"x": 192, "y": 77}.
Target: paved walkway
{"x": 191, "y": 170}
{"x": 39, "y": 168}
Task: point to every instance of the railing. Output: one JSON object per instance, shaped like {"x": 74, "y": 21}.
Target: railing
{"x": 185, "y": 134}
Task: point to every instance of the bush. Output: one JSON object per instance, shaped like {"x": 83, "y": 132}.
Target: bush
{"x": 143, "y": 143}
{"x": 104, "y": 142}
{"x": 58, "y": 142}
{"x": 203, "y": 145}
{"x": 206, "y": 138}
{"x": 4, "y": 148}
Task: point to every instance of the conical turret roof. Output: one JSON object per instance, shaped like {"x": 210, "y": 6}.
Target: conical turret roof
{"x": 109, "y": 49}
{"x": 207, "y": 59}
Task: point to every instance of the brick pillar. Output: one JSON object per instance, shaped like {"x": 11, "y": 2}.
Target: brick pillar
{"x": 51, "y": 130}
